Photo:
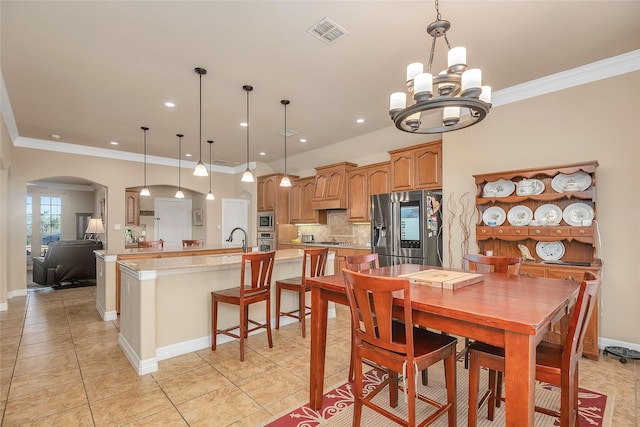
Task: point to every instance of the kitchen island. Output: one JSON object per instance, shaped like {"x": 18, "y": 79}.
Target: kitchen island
{"x": 166, "y": 302}
{"x": 108, "y": 275}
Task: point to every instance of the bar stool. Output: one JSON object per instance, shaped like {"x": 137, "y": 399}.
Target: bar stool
{"x": 261, "y": 267}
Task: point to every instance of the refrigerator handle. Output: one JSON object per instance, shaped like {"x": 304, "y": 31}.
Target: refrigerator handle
{"x": 395, "y": 228}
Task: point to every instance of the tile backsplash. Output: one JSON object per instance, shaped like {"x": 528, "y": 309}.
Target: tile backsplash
{"x": 339, "y": 230}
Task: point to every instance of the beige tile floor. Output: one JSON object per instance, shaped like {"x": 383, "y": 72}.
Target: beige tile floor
{"x": 61, "y": 365}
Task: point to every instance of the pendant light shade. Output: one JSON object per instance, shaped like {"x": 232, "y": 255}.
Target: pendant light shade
{"x": 210, "y": 195}
{"x": 200, "y": 170}
{"x": 247, "y": 176}
{"x": 285, "y": 182}
{"x": 145, "y": 191}
{"x": 179, "y": 193}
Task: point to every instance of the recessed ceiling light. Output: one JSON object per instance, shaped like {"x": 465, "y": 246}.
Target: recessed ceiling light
{"x": 188, "y": 155}
{"x": 113, "y": 143}
{"x": 303, "y": 139}
{"x": 55, "y": 136}
{"x": 262, "y": 153}
{"x": 359, "y": 121}
{"x": 243, "y": 124}
{"x": 169, "y": 104}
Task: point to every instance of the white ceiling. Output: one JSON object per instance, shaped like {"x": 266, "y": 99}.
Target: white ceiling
{"x": 95, "y": 71}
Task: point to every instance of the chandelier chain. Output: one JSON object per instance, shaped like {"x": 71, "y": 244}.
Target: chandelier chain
{"x": 438, "y": 17}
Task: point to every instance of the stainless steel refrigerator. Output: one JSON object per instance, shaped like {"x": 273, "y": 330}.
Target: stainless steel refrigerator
{"x": 406, "y": 227}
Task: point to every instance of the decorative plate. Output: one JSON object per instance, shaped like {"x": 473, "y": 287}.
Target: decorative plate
{"x": 575, "y": 213}
{"x": 578, "y": 181}
{"x": 550, "y": 251}
{"x": 499, "y": 188}
{"x": 519, "y": 215}
{"x": 548, "y": 214}
{"x": 529, "y": 187}
{"x": 494, "y": 216}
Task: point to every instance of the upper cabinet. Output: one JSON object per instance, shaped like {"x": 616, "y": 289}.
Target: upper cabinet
{"x": 272, "y": 197}
{"x": 300, "y": 197}
{"x": 331, "y": 186}
{"x": 362, "y": 182}
{"x": 417, "y": 168}
{"x": 132, "y": 208}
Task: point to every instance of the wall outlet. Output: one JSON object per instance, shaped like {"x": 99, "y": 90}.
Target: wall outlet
{"x": 116, "y": 226}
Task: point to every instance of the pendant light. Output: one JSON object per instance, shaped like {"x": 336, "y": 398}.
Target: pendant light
{"x": 200, "y": 170}
{"x": 247, "y": 176}
{"x": 179, "y": 193}
{"x": 210, "y": 195}
{"x": 285, "y": 182}
{"x": 145, "y": 191}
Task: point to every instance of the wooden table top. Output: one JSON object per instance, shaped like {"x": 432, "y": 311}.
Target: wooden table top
{"x": 511, "y": 303}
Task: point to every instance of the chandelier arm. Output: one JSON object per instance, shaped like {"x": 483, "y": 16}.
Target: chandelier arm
{"x": 433, "y": 49}
{"x": 447, "y": 41}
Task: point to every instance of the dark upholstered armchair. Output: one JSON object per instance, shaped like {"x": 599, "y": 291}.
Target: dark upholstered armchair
{"x": 66, "y": 260}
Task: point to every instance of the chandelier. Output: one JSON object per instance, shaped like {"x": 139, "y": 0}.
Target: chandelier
{"x": 200, "y": 169}
{"x": 451, "y": 100}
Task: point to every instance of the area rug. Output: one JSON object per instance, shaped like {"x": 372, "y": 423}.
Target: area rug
{"x": 595, "y": 409}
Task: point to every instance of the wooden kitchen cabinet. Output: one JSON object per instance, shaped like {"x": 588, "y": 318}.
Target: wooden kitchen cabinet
{"x": 300, "y": 196}
{"x": 577, "y": 242}
{"x": 362, "y": 182}
{"x": 272, "y": 197}
{"x": 331, "y": 186}
{"x": 417, "y": 168}
{"x": 379, "y": 178}
{"x": 132, "y": 208}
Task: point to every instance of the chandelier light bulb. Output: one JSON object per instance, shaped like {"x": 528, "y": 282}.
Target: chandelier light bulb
{"x": 471, "y": 79}
{"x": 457, "y": 56}
{"x": 397, "y": 101}
{"x": 414, "y": 69}
{"x": 451, "y": 116}
{"x": 485, "y": 95}
{"x": 422, "y": 86}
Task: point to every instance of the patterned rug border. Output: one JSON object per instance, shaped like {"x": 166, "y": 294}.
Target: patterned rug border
{"x": 340, "y": 397}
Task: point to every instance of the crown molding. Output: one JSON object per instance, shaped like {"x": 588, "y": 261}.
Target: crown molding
{"x": 85, "y": 150}
{"x": 610, "y": 67}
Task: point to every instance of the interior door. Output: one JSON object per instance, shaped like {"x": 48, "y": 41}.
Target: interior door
{"x": 173, "y": 221}
{"x": 235, "y": 214}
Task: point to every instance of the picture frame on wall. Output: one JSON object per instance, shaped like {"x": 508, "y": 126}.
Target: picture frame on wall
{"x": 197, "y": 216}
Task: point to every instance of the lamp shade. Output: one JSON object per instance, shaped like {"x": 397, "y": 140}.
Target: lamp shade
{"x": 95, "y": 226}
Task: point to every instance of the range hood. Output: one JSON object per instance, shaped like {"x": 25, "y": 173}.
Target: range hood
{"x": 331, "y": 186}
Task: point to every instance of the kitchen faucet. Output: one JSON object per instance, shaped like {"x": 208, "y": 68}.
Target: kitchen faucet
{"x": 244, "y": 241}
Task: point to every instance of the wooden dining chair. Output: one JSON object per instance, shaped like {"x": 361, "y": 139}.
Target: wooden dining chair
{"x": 259, "y": 289}
{"x": 317, "y": 260}
{"x": 189, "y": 243}
{"x": 151, "y": 243}
{"x": 556, "y": 364}
{"x": 488, "y": 264}
{"x": 359, "y": 263}
{"x": 398, "y": 346}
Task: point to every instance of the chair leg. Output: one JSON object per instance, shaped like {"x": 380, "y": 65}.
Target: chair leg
{"x": 450, "y": 379}
{"x": 474, "y": 380}
{"x": 243, "y": 330}
{"x": 493, "y": 396}
{"x": 352, "y": 363}
{"x": 357, "y": 401}
{"x": 499, "y": 390}
{"x": 268, "y": 322}
{"x": 393, "y": 388}
{"x": 214, "y": 322}
{"x": 466, "y": 353}
{"x": 425, "y": 375}
{"x": 302, "y": 312}
{"x": 411, "y": 395}
{"x": 278, "y": 293}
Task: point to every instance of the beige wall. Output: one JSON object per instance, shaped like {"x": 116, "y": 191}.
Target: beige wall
{"x": 5, "y": 168}
{"x": 598, "y": 121}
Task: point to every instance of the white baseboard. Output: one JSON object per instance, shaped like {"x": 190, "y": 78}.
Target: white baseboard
{"x": 17, "y": 293}
{"x": 142, "y": 367}
{"x": 106, "y": 316}
{"x": 606, "y": 342}
{"x": 184, "y": 347}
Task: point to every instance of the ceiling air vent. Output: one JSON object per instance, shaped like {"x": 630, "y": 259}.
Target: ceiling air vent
{"x": 327, "y": 31}
{"x": 290, "y": 132}
{"x": 220, "y": 162}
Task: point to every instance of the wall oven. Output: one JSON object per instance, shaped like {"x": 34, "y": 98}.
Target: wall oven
{"x": 266, "y": 242}
{"x": 266, "y": 221}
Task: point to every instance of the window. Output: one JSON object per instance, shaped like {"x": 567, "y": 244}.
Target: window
{"x": 50, "y": 219}
{"x": 29, "y": 223}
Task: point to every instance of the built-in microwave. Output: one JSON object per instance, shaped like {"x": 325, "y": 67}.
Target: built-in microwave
{"x": 265, "y": 221}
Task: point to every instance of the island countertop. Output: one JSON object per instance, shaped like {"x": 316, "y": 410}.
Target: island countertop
{"x": 145, "y": 251}
{"x": 199, "y": 261}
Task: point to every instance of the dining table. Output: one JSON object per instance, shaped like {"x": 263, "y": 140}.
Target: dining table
{"x": 509, "y": 311}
